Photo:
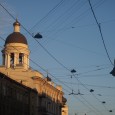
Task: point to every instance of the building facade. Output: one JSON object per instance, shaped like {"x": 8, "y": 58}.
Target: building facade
{"x": 15, "y": 98}
{"x": 22, "y": 88}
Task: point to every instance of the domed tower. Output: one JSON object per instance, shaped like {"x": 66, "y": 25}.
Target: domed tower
{"x": 16, "y": 51}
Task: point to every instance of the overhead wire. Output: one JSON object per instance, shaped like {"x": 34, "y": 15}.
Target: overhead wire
{"x": 91, "y": 71}
{"x": 78, "y": 47}
{"x": 90, "y": 85}
{"x": 49, "y": 13}
{"x": 99, "y": 27}
{"x": 88, "y": 90}
{"x": 76, "y": 19}
{"x": 65, "y": 15}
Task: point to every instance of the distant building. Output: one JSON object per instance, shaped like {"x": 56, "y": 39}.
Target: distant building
{"x": 24, "y": 91}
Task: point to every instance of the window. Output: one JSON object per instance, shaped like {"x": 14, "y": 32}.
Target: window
{"x": 21, "y": 55}
{"x": 4, "y": 90}
{"x": 12, "y": 59}
{"x": 3, "y": 59}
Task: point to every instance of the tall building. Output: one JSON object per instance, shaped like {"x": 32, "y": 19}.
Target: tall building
{"x": 43, "y": 97}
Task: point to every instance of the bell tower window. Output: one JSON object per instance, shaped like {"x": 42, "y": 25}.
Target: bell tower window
{"x": 21, "y": 55}
{"x": 3, "y": 59}
{"x": 12, "y": 59}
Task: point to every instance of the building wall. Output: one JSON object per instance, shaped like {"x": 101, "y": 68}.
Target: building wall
{"x": 50, "y": 97}
{"x": 16, "y": 99}
{"x": 42, "y": 99}
{"x": 65, "y": 110}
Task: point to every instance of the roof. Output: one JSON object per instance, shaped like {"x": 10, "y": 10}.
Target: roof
{"x": 16, "y": 37}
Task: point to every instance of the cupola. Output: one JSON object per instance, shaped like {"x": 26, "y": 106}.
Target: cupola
{"x": 16, "y": 51}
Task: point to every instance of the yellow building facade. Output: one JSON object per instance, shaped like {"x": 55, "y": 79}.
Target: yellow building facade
{"x": 45, "y": 98}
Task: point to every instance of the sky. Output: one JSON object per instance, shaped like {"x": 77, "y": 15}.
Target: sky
{"x": 71, "y": 40}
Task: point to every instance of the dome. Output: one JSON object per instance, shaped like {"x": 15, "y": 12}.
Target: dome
{"x": 16, "y": 37}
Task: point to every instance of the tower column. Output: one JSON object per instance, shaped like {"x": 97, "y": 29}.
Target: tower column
{"x": 17, "y": 56}
{"x": 25, "y": 61}
{"x": 28, "y": 61}
{"x": 7, "y": 60}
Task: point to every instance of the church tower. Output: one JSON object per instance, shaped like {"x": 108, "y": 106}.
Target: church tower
{"x": 16, "y": 51}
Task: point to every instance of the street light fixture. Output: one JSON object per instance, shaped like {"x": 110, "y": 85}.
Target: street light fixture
{"x": 91, "y": 90}
{"x": 73, "y": 71}
{"x": 38, "y": 36}
{"x": 110, "y": 111}
{"x": 113, "y": 72}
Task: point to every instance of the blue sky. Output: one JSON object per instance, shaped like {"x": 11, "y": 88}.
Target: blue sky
{"x": 71, "y": 35}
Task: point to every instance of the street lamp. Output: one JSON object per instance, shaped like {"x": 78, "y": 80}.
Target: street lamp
{"x": 110, "y": 111}
{"x": 38, "y": 36}
{"x": 91, "y": 90}
{"x": 113, "y": 72}
{"x": 73, "y": 71}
